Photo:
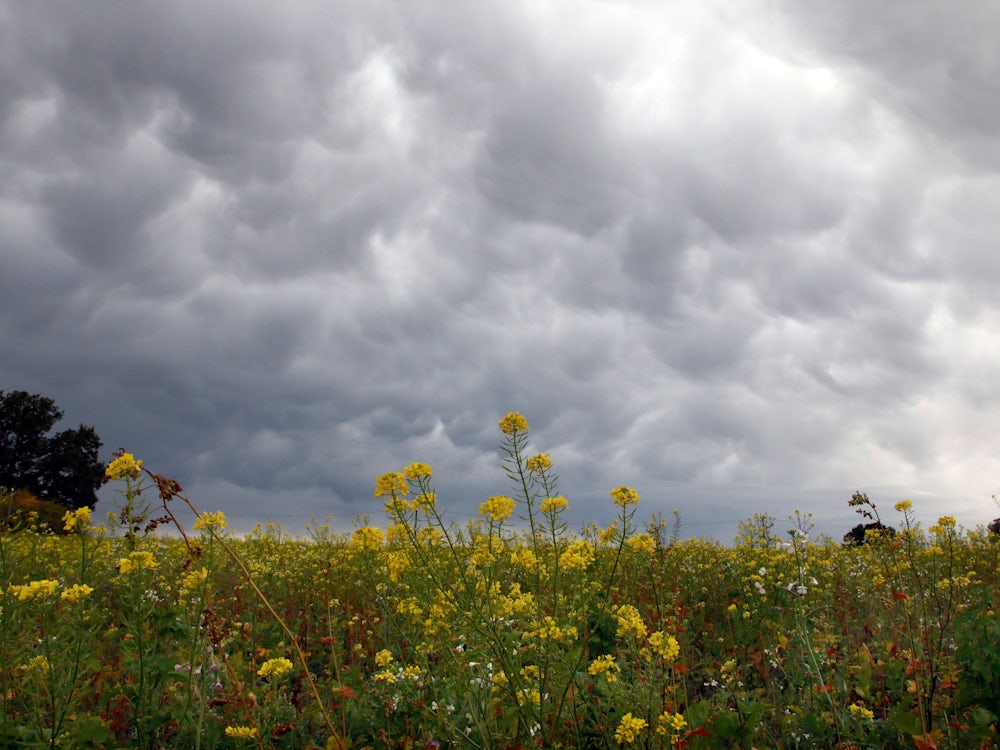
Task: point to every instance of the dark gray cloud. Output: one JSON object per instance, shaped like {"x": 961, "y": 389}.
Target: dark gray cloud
{"x": 737, "y": 257}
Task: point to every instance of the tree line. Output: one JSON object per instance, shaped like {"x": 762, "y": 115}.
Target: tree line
{"x": 63, "y": 467}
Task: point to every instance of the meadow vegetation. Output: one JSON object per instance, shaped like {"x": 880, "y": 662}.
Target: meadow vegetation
{"x": 508, "y": 631}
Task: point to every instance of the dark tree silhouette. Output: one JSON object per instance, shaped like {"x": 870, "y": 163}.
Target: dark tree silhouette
{"x": 64, "y": 468}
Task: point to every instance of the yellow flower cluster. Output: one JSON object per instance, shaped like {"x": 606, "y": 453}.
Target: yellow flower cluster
{"x": 861, "y": 713}
{"x": 126, "y": 466}
{"x": 242, "y": 733}
{"x": 136, "y": 561}
{"x": 629, "y": 729}
{"x": 554, "y": 504}
{"x": 36, "y": 664}
{"x": 629, "y": 622}
{"x": 578, "y": 555}
{"x": 669, "y": 723}
{"x": 539, "y": 463}
{"x": 605, "y": 665}
{"x": 548, "y": 630}
{"x": 515, "y": 602}
{"x": 513, "y": 422}
{"x": 383, "y": 658}
{"x": 76, "y": 592}
{"x": 417, "y": 471}
{"x": 194, "y": 579}
{"x": 666, "y": 646}
{"x": 391, "y": 484}
{"x": 76, "y": 520}
{"x": 41, "y": 589}
{"x": 642, "y": 543}
{"x": 624, "y": 496}
{"x": 275, "y": 668}
{"x": 210, "y": 521}
{"x": 903, "y": 505}
{"x": 367, "y": 538}
{"x": 498, "y": 508}
{"x": 397, "y": 564}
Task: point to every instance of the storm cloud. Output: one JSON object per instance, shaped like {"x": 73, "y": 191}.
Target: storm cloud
{"x": 739, "y": 257}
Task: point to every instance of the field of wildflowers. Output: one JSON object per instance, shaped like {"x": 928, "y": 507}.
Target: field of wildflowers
{"x": 510, "y": 631}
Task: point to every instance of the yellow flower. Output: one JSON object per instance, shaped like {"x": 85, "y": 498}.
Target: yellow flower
{"x": 367, "y": 537}
{"x": 194, "y": 579}
{"x": 554, "y": 504}
{"x": 665, "y": 645}
{"x": 498, "y": 508}
{"x": 604, "y": 665}
{"x": 547, "y": 629}
{"x": 36, "y": 663}
{"x": 629, "y": 622}
{"x": 417, "y": 471}
{"x": 392, "y": 484}
{"x": 539, "y": 463}
{"x": 383, "y": 658}
{"x": 41, "y": 589}
{"x": 425, "y": 501}
{"x": 861, "y": 713}
{"x": 642, "y": 543}
{"x": 125, "y": 466}
{"x": 513, "y": 422}
{"x": 210, "y": 521}
{"x": 136, "y": 560}
{"x": 76, "y": 520}
{"x": 242, "y": 733}
{"x": 629, "y": 729}
{"x": 275, "y": 668}
{"x": 903, "y": 505}
{"x": 579, "y": 554}
{"x": 669, "y": 723}
{"x": 76, "y": 592}
{"x": 624, "y": 496}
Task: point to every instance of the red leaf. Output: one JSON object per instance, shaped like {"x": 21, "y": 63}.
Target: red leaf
{"x": 899, "y": 595}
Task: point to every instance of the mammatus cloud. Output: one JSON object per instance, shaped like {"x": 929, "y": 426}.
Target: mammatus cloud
{"x": 737, "y": 258}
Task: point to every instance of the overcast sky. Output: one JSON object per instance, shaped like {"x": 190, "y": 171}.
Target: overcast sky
{"x": 739, "y": 256}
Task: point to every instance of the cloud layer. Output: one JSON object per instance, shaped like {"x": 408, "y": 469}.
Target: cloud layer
{"x": 737, "y": 257}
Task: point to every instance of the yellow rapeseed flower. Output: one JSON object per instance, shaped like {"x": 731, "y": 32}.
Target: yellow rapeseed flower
{"x": 605, "y": 665}
{"x": 539, "y": 463}
{"x": 76, "y": 520}
{"x": 416, "y": 471}
{"x": 497, "y": 508}
{"x": 76, "y": 592}
{"x": 216, "y": 521}
{"x": 391, "y": 484}
{"x": 579, "y": 554}
{"x": 669, "y": 723}
{"x": 367, "y": 537}
{"x": 624, "y": 496}
{"x": 665, "y": 645}
{"x": 513, "y": 422}
{"x": 275, "y": 668}
{"x": 135, "y": 561}
{"x": 242, "y": 733}
{"x": 903, "y": 505}
{"x": 554, "y": 504}
{"x": 629, "y": 622}
{"x": 41, "y": 589}
{"x": 642, "y": 543}
{"x": 861, "y": 713}
{"x": 125, "y": 466}
{"x": 629, "y": 729}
